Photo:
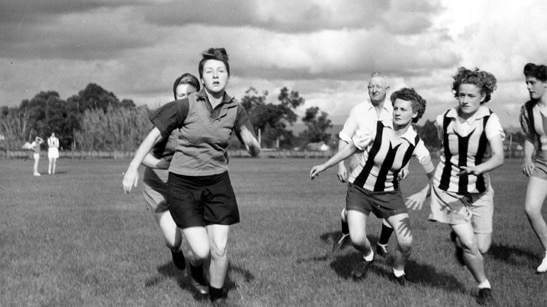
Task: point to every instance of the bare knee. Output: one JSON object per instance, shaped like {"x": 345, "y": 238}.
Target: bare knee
{"x": 218, "y": 251}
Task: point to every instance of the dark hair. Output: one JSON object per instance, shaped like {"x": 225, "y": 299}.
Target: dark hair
{"x": 536, "y": 71}
{"x": 409, "y": 94}
{"x": 485, "y": 81}
{"x": 218, "y": 54}
{"x": 186, "y": 78}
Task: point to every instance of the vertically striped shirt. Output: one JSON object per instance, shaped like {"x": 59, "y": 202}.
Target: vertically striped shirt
{"x": 384, "y": 155}
{"x": 534, "y": 125}
{"x": 465, "y": 143}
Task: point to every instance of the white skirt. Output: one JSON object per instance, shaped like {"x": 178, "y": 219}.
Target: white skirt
{"x": 53, "y": 153}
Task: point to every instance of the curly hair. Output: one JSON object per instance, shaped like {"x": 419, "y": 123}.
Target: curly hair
{"x": 484, "y": 80}
{"x": 218, "y": 54}
{"x": 409, "y": 94}
{"x": 536, "y": 71}
{"x": 186, "y": 78}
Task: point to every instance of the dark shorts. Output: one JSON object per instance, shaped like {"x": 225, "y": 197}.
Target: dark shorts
{"x": 382, "y": 204}
{"x": 197, "y": 201}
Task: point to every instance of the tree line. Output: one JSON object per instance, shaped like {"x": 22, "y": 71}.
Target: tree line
{"x": 95, "y": 119}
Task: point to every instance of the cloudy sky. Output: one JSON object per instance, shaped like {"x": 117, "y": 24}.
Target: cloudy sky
{"x": 324, "y": 49}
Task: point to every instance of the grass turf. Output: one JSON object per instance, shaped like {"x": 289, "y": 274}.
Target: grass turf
{"x": 74, "y": 239}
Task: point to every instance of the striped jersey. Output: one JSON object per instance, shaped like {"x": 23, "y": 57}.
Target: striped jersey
{"x": 534, "y": 125}
{"x": 384, "y": 155}
{"x": 465, "y": 143}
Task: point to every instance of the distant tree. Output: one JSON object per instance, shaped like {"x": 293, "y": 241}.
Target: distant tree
{"x": 271, "y": 120}
{"x": 118, "y": 129}
{"x": 428, "y": 133}
{"x": 95, "y": 97}
{"x": 316, "y": 126}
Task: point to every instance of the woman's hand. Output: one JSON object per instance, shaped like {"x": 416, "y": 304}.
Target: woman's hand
{"x": 130, "y": 179}
{"x": 528, "y": 168}
{"x": 316, "y": 170}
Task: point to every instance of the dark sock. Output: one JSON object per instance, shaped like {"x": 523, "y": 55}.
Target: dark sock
{"x": 197, "y": 273}
{"x": 215, "y": 293}
{"x": 385, "y": 234}
{"x": 345, "y": 227}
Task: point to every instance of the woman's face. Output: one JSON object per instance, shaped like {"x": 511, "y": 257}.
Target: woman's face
{"x": 470, "y": 99}
{"x": 536, "y": 88}
{"x": 183, "y": 90}
{"x": 214, "y": 76}
{"x": 402, "y": 112}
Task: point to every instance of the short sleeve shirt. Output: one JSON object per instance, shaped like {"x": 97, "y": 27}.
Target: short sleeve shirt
{"x": 204, "y": 132}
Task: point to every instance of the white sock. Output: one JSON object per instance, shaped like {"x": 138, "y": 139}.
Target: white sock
{"x": 398, "y": 273}
{"x": 484, "y": 284}
{"x": 369, "y": 257}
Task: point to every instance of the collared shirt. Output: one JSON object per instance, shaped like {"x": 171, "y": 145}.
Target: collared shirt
{"x": 465, "y": 143}
{"x": 363, "y": 117}
{"x": 204, "y": 132}
{"x": 384, "y": 154}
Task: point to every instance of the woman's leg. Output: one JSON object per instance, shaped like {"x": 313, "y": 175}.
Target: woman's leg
{"x": 535, "y": 196}
{"x": 170, "y": 231}
{"x": 401, "y": 226}
{"x": 50, "y": 165}
{"x": 36, "y": 159}
{"x": 357, "y": 222}
{"x": 54, "y": 165}
{"x": 218, "y": 240}
{"x": 472, "y": 257}
{"x": 198, "y": 240}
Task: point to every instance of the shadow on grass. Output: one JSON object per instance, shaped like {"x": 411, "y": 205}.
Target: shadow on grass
{"x": 170, "y": 271}
{"x": 511, "y": 254}
{"x": 417, "y": 273}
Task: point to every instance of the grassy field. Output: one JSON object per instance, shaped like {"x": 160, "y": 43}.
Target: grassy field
{"x": 74, "y": 239}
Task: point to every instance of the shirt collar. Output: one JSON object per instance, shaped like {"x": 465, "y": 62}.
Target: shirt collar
{"x": 201, "y": 95}
{"x": 410, "y": 135}
{"x": 483, "y": 111}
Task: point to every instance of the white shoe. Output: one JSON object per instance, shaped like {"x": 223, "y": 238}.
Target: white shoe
{"x": 542, "y": 268}
{"x": 37, "y": 174}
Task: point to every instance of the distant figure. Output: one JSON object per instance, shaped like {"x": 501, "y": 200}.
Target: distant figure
{"x": 52, "y": 153}
{"x": 532, "y": 119}
{"x": 35, "y": 146}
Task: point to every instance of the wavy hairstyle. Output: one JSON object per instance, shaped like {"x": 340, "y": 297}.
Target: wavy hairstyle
{"x": 409, "y": 94}
{"x": 485, "y": 81}
{"x": 186, "y": 78}
{"x": 536, "y": 71}
{"x": 218, "y": 54}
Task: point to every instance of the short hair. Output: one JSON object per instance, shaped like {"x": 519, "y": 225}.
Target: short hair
{"x": 485, "y": 81}
{"x": 218, "y": 54}
{"x": 186, "y": 78}
{"x": 536, "y": 71}
{"x": 409, "y": 94}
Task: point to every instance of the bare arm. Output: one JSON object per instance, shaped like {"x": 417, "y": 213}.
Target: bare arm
{"x": 339, "y": 156}
{"x": 152, "y": 162}
{"x": 528, "y": 164}
{"x": 250, "y": 142}
{"x": 342, "y": 170}
{"x": 495, "y": 161}
{"x": 131, "y": 176}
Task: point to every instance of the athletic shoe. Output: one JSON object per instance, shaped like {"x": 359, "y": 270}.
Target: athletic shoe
{"x": 37, "y": 174}
{"x": 459, "y": 251}
{"x": 382, "y": 250}
{"x": 197, "y": 280}
{"x": 542, "y": 268}
{"x": 360, "y": 270}
{"x": 178, "y": 259}
{"x": 340, "y": 242}
{"x": 484, "y": 296}
{"x": 401, "y": 280}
